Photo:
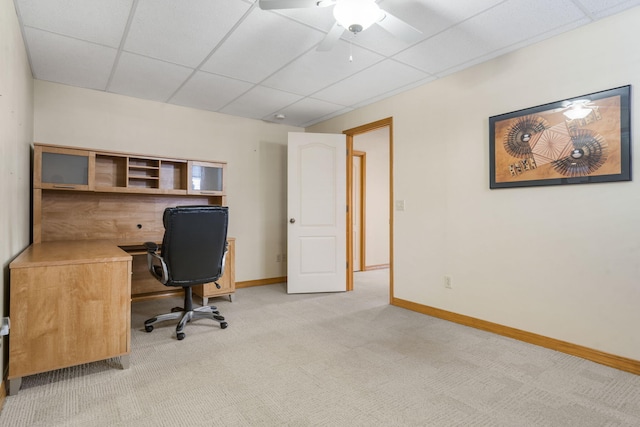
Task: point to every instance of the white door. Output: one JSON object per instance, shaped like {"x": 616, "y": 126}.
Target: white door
{"x": 317, "y": 231}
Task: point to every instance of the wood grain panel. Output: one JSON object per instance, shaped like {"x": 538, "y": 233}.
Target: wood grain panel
{"x": 173, "y": 175}
{"x": 126, "y": 219}
{"x": 261, "y": 282}
{"x": 65, "y": 315}
{"x": 111, "y": 171}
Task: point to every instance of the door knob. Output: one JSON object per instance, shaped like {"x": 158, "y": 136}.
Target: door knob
{"x": 292, "y": 220}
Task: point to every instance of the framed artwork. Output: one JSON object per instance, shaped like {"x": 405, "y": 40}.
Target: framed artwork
{"x": 574, "y": 141}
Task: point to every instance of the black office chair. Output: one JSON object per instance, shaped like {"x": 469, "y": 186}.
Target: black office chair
{"x": 193, "y": 252}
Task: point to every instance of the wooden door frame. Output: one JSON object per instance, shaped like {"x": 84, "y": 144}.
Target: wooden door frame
{"x": 350, "y": 133}
{"x": 363, "y": 204}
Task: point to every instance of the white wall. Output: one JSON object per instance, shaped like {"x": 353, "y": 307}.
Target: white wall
{"x": 376, "y": 144}
{"x": 255, "y": 152}
{"x": 16, "y": 135}
{"x": 560, "y": 261}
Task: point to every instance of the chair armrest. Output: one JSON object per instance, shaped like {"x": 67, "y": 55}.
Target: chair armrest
{"x": 157, "y": 267}
{"x": 224, "y": 258}
{"x": 151, "y": 246}
{"x": 224, "y": 261}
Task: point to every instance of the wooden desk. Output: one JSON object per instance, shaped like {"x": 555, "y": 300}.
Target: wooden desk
{"x": 70, "y": 303}
{"x": 86, "y": 194}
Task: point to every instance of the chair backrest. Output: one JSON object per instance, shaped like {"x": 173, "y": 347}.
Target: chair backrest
{"x": 194, "y": 243}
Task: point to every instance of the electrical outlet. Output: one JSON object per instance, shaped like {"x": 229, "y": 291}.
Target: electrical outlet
{"x": 447, "y": 282}
{"x": 278, "y": 258}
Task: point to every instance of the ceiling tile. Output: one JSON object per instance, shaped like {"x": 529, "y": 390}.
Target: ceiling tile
{"x": 209, "y": 91}
{"x": 601, "y": 8}
{"x": 444, "y": 50}
{"x": 147, "y": 78}
{"x": 499, "y": 23}
{"x": 260, "y": 45}
{"x": 381, "y": 78}
{"x": 260, "y": 102}
{"x": 182, "y": 32}
{"x": 307, "y": 111}
{"x": 96, "y": 21}
{"x": 316, "y": 70}
{"x": 320, "y": 18}
{"x": 493, "y": 30}
{"x": 394, "y": 92}
{"x": 69, "y": 61}
{"x": 434, "y": 16}
{"x": 377, "y": 39}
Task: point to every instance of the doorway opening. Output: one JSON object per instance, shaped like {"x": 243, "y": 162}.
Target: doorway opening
{"x": 361, "y": 194}
{"x": 358, "y": 204}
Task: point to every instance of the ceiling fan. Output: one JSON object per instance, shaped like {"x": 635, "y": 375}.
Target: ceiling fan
{"x": 352, "y": 15}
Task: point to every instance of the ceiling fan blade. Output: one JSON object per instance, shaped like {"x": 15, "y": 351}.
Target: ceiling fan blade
{"x": 399, "y": 28}
{"x": 287, "y": 4}
{"x": 331, "y": 38}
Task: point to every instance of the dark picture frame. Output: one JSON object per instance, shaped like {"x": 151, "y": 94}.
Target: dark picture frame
{"x": 585, "y": 139}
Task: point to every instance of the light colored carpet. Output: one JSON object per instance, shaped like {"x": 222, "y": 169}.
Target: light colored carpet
{"x": 345, "y": 359}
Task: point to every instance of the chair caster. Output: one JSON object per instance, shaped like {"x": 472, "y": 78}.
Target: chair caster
{"x": 218, "y": 317}
{"x": 180, "y": 336}
{"x": 148, "y": 328}
{"x": 176, "y": 309}
{"x": 224, "y": 325}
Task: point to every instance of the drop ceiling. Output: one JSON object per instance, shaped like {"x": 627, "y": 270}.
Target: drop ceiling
{"x": 231, "y": 57}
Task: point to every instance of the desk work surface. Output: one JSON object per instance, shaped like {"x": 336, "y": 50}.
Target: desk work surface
{"x": 69, "y": 252}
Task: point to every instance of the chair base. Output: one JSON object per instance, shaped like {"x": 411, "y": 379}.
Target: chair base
{"x": 206, "y": 312}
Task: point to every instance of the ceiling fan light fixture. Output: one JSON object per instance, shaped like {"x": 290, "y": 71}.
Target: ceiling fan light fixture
{"x": 357, "y": 15}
